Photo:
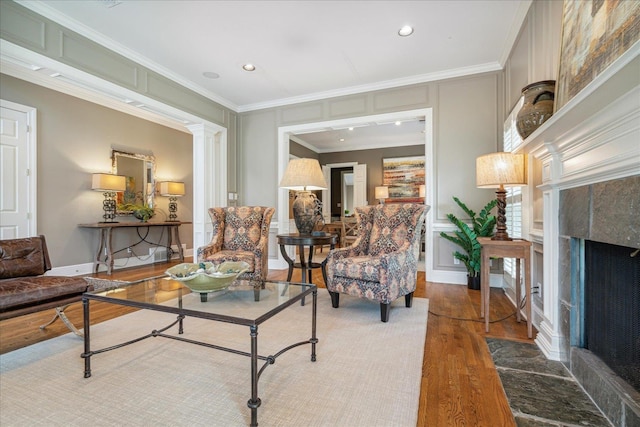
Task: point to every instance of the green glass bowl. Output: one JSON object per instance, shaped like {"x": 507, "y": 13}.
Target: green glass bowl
{"x": 205, "y": 276}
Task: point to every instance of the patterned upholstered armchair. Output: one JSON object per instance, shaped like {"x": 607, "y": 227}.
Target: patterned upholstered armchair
{"x": 240, "y": 234}
{"x": 381, "y": 265}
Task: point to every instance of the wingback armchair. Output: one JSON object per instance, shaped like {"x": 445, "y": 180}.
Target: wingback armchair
{"x": 240, "y": 234}
{"x": 381, "y": 265}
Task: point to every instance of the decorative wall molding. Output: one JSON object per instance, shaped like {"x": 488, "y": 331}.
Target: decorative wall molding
{"x": 593, "y": 138}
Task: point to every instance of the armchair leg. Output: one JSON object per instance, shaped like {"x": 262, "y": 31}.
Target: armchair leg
{"x": 408, "y": 300}
{"x": 335, "y": 299}
{"x": 384, "y": 311}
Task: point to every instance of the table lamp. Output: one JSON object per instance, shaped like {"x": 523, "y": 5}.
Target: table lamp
{"x": 303, "y": 175}
{"x": 422, "y": 191}
{"x": 172, "y": 190}
{"x": 500, "y": 170}
{"x": 381, "y": 193}
{"x": 109, "y": 185}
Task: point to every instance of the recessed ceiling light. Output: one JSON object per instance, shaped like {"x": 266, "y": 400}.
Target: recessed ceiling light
{"x": 405, "y": 31}
{"x": 398, "y": 123}
{"x": 211, "y": 75}
{"x": 341, "y": 139}
{"x": 248, "y": 67}
{"x": 350, "y": 128}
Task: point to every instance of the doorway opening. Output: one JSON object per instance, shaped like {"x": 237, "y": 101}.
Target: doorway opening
{"x": 285, "y": 133}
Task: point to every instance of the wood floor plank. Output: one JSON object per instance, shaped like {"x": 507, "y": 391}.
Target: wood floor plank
{"x": 460, "y": 385}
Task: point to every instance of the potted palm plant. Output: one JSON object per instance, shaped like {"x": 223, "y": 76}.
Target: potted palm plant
{"x": 482, "y": 225}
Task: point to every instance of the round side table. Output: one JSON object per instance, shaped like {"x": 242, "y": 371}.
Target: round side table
{"x": 302, "y": 241}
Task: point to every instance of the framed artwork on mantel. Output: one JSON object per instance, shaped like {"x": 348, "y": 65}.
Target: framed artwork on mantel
{"x": 594, "y": 34}
{"x": 403, "y": 176}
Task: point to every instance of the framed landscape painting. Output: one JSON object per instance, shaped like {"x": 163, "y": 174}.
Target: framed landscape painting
{"x": 403, "y": 176}
{"x": 594, "y": 34}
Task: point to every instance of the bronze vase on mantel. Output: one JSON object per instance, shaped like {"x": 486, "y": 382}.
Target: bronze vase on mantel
{"x": 537, "y": 108}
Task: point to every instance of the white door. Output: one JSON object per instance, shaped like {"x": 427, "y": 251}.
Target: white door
{"x": 359, "y": 185}
{"x": 17, "y": 171}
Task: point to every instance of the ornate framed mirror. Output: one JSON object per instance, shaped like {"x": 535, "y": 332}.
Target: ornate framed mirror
{"x": 140, "y": 173}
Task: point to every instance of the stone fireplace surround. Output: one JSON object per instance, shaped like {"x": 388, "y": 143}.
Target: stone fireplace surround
{"x": 588, "y": 152}
{"x": 607, "y": 212}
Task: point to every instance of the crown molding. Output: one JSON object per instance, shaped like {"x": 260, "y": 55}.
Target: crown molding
{"x": 32, "y": 67}
{"x": 49, "y": 12}
{"x": 388, "y": 84}
{"x": 514, "y": 31}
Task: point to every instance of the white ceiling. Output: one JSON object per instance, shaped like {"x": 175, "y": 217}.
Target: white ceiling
{"x": 303, "y": 50}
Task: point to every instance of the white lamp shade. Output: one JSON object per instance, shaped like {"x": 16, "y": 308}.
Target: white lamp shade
{"x": 382, "y": 192}
{"x": 171, "y": 188}
{"x": 303, "y": 174}
{"x": 496, "y": 169}
{"x": 108, "y": 182}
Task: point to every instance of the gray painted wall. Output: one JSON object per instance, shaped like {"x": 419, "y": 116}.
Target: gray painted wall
{"x": 466, "y": 125}
{"x": 75, "y": 138}
{"x": 467, "y": 112}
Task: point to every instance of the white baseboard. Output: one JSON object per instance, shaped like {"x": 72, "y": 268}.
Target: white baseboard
{"x": 460, "y": 278}
{"x": 155, "y": 255}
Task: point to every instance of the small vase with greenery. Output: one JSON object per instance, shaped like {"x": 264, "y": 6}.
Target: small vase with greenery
{"x": 142, "y": 212}
{"x": 482, "y": 225}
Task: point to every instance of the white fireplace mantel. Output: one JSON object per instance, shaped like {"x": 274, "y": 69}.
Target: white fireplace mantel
{"x": 595, "y": 137}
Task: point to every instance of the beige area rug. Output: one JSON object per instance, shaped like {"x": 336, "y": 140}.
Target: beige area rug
{"x": 367, "y": 372}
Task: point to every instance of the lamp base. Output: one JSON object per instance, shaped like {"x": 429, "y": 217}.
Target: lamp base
{"x": 503, "y": 238}
{"x": 307, "y": 211}
{"x": 501, "y": 219}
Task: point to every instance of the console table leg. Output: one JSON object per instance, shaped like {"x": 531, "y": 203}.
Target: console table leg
{"x": 109, "y": 256}
{"x": 180, "y": 251}
{"x": 101, "y": 248}
{"x": 518, "y": 291}
{"x": 527, "y": 289}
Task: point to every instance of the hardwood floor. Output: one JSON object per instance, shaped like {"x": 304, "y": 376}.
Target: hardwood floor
{"x": 460, "y": 385}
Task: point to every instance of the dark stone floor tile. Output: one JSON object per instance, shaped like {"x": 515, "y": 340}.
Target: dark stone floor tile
{"x": 549, "y": 398}
{"x": 523, "y": 356}
{"x": 529, "y": 422}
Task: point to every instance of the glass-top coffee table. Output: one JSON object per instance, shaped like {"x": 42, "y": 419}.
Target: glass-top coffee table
{"x": 241, "y": 304}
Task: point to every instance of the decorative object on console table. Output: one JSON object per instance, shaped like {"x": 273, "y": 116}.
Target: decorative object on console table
{"x": 382, "y": 193}
{"x": 109, "y": 184}
{"x": 537, "y": 108}
{"x": 303, "y": 175}
{"x": 141, "y": 212}
{"x": 172, "y": 190}
{"x": 500, "y": 170}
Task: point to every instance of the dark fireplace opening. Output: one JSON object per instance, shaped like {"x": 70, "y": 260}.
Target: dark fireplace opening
{"x": 612, "y": 308}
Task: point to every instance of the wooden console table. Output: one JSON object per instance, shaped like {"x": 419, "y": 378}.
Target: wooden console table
{"x": 104, "y": 255}
{"x": 518, "y": 249}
